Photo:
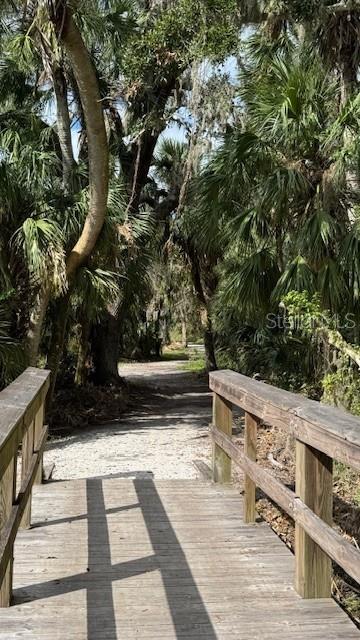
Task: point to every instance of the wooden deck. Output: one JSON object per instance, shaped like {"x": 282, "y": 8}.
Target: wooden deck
{"x": 123, "y": 559}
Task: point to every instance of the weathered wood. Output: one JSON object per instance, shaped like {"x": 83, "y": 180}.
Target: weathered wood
{"x": 11, "y": 422}
{"x": 27, "y": 451}
{"x": 314, "y": 486}
{"x": 273, "y": 488}
{"x": 333, "y": 543}
{"x": 203, "y": 468}
{"x": 268, "y": 403}
{"x": 38, "y": 432}
{"x": 131, "y": 559}
{"x": 250, "y": 440}
{"x": 18, "y": 507}
{"x": 48, "y": 471}
{"x": 20, "y": 405}
{"x": 222, "y": 419}
{"x": 332, "y": 431}
{"x": 333, "y": 445}
{"x": 7, "y": 496}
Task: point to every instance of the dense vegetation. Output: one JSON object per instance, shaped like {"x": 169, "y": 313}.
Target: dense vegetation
{"x": 242, "y": 228}
{"x": 174, "y": 170}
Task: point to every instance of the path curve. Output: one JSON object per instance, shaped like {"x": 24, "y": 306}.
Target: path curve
{"x": 162, "y": 432}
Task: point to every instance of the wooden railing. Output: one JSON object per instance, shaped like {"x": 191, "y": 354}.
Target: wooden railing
{"x": 322, "y": 434}
{"x": 21, "y": 425}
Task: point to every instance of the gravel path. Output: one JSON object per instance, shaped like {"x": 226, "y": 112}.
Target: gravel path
{"x": 162, "y": 432}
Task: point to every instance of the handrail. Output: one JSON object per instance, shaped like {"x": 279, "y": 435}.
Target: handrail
{"x": 322, "y": 433}
{"x": 328, "y": 429}
{"x": 21, "y": 424}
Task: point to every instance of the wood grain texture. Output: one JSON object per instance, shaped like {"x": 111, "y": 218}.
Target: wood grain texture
{"x": 314, "y": 486}
{"x": 21, "y": 420}
{"x": 275, "y": 489}
{"x": 222, "y": 419}
{"x": 250, "y": 445}
{"x": 27, "y": 451}
{"x": 204, "y": 470}
{"x": 19, "y": 506}
{"x": 38, "y": 432}
{"x": 111, "y": 558}
{"x": 7, "y": 497}
{"x": 332, "y": 431}
{"x": 19, "y": 404}
{"x": 333, "y": 544}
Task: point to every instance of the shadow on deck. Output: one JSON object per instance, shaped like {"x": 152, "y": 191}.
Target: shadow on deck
{"x": 137, "y": 558}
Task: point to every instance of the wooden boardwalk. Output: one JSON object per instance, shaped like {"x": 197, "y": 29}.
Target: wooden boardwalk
{"x": 114, "y": 559}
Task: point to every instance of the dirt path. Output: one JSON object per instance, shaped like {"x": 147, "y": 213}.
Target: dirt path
{"x": 163, "y": 431}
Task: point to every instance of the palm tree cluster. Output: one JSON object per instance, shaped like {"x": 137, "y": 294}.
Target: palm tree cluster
{"x": 275, "y": 208}
{"x": 112, "y": 233}
{"x": 86, "y": 90}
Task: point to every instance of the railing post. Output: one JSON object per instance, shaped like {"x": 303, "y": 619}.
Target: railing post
{"x": 222, "y": 420}
{"x": 7, "y": 499}
{"x": 38, "y": 428}
{"x": 314, "y": 486}
{"x": 251, "y": 423}
{"x": 27, "y": 450}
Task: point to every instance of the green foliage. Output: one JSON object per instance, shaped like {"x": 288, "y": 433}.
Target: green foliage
{"x": 94, "y": 290}
{"x": 303, "y": 9}
{"x": 22, "y": 49}
{"x": 41, "y": 242}
{"x": 174, "y": 36}
{"x": 306, "y": 307}
{"x": 342, "y": 388}
{"x": 12, "y": 358}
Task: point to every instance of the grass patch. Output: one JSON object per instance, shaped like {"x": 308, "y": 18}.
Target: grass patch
{"x": 195, "y": 365}
{"x": 174, "y": 354}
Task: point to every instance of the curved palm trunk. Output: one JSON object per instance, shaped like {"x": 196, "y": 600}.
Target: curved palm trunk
{"x": 87, "y": 83}
{"x": 86, "y": 80}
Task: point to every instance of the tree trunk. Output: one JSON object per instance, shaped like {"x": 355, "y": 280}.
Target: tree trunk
{"x": 210, "y": 358}
{"x": 184, "y": 332}
{"x": 105, "y": 349}
{"x": 56, "y": 347}
{"x": 37, "y": 318}
{"x": 87, "y": 83}
{"x": 81, "y": 374}
{"x": 86, "y": 80}
{"x": 38, "y": 313}
{"x": 348, "y": 77}
{"x": 63, "y": 126}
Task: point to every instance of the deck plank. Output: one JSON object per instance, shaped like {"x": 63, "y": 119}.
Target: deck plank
{"x": 109, "y": 559}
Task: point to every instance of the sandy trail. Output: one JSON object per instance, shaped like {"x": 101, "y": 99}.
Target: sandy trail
{"x": 164, "y": 429}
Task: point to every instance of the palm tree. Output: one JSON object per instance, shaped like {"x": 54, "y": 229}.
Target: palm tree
{"x": 275, "y": 195}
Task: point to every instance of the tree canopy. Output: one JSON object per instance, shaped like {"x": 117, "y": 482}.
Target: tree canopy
{"x": 179, "y": 168}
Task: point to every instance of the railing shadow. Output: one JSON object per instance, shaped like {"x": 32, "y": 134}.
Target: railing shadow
{"x": 161, "y": 532}
{"x": 102, "y": 611}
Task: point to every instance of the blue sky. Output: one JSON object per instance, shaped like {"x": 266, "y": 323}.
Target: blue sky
{"x": 176, "y": 132}
{"x": 173, "y": 130}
